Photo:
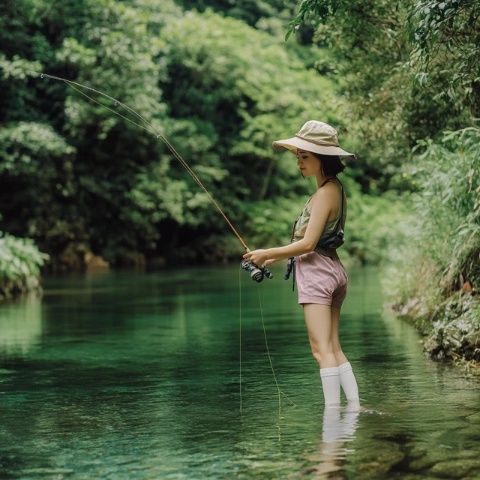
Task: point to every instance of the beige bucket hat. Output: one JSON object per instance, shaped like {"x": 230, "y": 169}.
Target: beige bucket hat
{"x": 314, "y": 136}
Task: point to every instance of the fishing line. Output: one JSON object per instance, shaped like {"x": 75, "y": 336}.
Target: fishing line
{"x": 279, "y": 391}
{"x": 240, "y": 332}
{"x": 72, "y": 84}
{"x": 268, "y": 354}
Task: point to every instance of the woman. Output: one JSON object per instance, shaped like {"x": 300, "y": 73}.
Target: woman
{"x": 320, "y": 275}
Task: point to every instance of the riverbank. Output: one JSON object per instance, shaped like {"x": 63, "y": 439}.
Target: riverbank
{"x": 432, "y": 275}
{"x": 451, "y": 331}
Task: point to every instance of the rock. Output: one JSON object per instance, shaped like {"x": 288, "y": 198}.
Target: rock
{"x": 432, "y": 345}
{"x": 71, "y": 258}
{"x": 94, "y": 262}
{"x": 456, "y": 332}
{"x": 410, "y": 308}
{"x": 380, "y": 459}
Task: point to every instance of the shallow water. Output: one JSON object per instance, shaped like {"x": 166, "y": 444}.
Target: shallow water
{"x": 137, "y": 376}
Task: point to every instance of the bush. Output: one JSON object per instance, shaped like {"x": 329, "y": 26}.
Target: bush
{"x": 443, "y": 251}
{"x": 20, "y": 263}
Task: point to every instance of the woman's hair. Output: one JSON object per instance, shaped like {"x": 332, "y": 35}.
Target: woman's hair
{"x": 331, "y": 164}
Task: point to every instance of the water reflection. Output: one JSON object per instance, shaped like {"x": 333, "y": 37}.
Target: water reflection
{"x": 20, "y": 325}
{"x": 338, "y": 428}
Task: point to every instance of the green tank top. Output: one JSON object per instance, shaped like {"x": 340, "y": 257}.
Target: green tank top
{"x": 302, "y": 222}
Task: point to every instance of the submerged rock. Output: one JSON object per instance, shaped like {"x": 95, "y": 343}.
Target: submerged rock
{"x": 380, "y": 459}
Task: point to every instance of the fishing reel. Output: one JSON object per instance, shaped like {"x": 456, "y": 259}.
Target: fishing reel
{"x": 257, "y": 273}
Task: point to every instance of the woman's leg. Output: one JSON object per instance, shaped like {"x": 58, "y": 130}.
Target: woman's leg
{"x": 318, "y": 319}
{"x": 347, "y": 378}
{"x": 335, "y": 339}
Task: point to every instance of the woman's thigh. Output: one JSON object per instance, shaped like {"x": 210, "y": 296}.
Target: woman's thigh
{"x": 318, "y": 319}
{"x": 334, "y": 335}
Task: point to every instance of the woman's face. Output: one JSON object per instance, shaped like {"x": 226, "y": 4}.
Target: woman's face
{"x": 307, "y": 163}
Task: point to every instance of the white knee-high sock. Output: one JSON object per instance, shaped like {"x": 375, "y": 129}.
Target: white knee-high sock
{"x": 348, "y": 382}
{"x": 331, "y": 385}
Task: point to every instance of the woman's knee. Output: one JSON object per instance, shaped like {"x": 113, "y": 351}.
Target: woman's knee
{"x": 322, "y": 352}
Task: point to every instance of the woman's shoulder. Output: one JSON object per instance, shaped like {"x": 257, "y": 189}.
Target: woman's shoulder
{"x": 328, "y": 190}
{"x": 326, "y": 196}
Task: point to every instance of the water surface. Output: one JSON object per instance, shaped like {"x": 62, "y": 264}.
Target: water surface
{"x": 126, "y": 375}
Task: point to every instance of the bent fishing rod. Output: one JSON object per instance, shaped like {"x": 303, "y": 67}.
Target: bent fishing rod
{"x": 257, "y": 273}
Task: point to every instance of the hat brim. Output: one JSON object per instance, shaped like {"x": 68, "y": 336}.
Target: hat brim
{"x": 294, "y": 143}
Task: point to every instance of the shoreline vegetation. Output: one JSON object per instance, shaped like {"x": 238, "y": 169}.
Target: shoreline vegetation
{"x": 20, "y": 266}
{"x": 80, "y": 188}
{"x": 432, "y": 277}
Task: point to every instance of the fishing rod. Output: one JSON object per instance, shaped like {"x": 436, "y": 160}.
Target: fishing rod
{"x": 257, "y": 273}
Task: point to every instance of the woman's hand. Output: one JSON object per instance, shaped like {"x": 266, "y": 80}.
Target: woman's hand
{"x": 259, "y": 257}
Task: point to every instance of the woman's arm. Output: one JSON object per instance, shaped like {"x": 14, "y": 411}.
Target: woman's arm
{"x": 292, "y": 250}
{"x": 320, "y": 210}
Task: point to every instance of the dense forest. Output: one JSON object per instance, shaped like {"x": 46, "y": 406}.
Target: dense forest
{"x": 81, "y": 183}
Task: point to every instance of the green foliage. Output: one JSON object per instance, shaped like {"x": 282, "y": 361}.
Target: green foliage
{"x": 20, "y": 262}
{"x": 450, "y": 187}
{"x": 443, "y": 250}
{"x": 218, "y": 89}
{"x": 17, "y": 68}
{"x": 251, "y": 12}
{"x": 221, "y": 92}
{"x": 374, "y": 225}
{"x": 447, "y": 33}
{"x": 315, "y": 10}
{"x": 30, "y": 149}
{"x": 407, "y": 71}
{"x": 228, "y": 102}
{"x": 38, "y": 162}
{"x": 366, "y": 44}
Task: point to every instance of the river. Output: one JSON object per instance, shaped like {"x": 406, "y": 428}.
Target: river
{"x": 130, "y": 375}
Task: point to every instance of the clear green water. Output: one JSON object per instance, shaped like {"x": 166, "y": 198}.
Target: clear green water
{"x": 136, "y": 376}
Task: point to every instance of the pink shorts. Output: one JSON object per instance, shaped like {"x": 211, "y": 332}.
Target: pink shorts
{"x": 320, "y": 279}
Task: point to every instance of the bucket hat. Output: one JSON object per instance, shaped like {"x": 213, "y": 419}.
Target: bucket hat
{"x": 314, "y": 136}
